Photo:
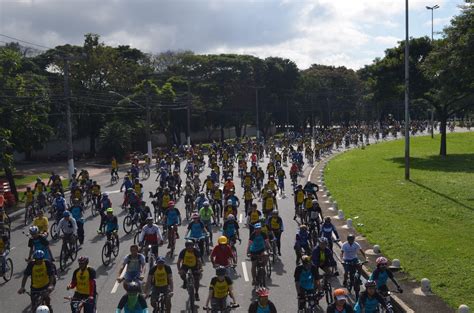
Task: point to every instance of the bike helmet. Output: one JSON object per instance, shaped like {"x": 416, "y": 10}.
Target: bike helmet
{"x": 221, "y": 271}
{"x": 206, "y": 203}
{"x": 340, "y": 294}
{"x": 306, "y": 258}
{"x": 381, "y": 261}
{"x": 231, "y": 217}
{"x": 42, "y": 309}
{"x": 189, "y": 243}
{"x": 315, "y": 201}
{"x": 150, "y": 219}
{"x": 350, "y": 237}
{"x": 34, "y": 230}
{"x": 110, "y": 210}
{"x": 257, "y": 226}
{"x": 262, "y": 292}
{"x": 66, "y": 214}
{"x": 327, "y": 219}
{"x": 222, "y": 240}
{"x": 275, "y": 212}
{"x": 303, "y": 227}
{"x": 229, "y": 202}
{"x": 83, "y": 259}
{"x": 323, "y": 240}
{"x": 171, "y": 203}
{"x": 160, "y": 260}
{"x": 38, "y": 255}
{"x": 370, "y": 284}
{"x": 195, "y": 216}
{"x": 133, "y": 287}
{"x": 105, "y": 195}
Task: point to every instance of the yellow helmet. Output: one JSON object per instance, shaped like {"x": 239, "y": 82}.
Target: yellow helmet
{"x": 222, "y": 240}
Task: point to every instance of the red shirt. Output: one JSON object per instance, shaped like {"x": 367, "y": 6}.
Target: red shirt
{"x": 221, "y": 254}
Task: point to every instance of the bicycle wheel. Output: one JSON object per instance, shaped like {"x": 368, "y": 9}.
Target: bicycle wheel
{"x": 63, "y": 256}
{"x": 269, "y": 269}
{"x": 136, "y": 237}
{"x": 127, "y": 224}
{"x": 113, "y": 180}
{"x": 94, "y": 210}
{"x": 54, "y": 231}
{"x": 116, "y": 248}
{"x": 106, "y": 254}
{"x": 261, "y": 277}
{"x": 191, "y": 297}
{"x": 8, "y": 270}
{"x": 328, "y": 293}
{"x": 27, "y": 215}
{"x": 73, "y": 250}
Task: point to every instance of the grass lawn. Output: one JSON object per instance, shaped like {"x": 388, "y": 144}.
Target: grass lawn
{"x": 428, "y": 222}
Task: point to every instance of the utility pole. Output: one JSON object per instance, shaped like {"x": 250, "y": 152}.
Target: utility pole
{"x": 407, "y": 96}
{"x": 256, "y": 107}
{"x": 287, "y": 119}
{"x": 67, "y": 96}
{"x": 188, "y": 110}
{"x": 432, "y": 109}
{"x": 148, "y": 127}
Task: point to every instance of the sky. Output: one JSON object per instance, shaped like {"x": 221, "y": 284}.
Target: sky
{"x": 348, "y": 33}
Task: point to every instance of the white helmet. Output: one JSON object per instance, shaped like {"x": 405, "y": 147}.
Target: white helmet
{"x": 229, "y": 202}
{"x": 42, "y": 309}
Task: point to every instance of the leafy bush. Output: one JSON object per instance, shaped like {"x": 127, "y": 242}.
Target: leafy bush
{"x": 115, "y": 139}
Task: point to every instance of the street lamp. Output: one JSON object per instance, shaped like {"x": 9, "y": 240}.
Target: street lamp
{"x": 407, "y": 95}
{"x": 432, "y": 110}
{"x": 148, "y": 120}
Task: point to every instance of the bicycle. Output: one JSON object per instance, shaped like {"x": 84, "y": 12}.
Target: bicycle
{"x": 114, "y": 179}
{"x": 110, "y": 247}
{"x": 190, "y": 290}
{"x": 355, "y": 277}
{"x": 144, "y": 172}
{"x": 54, "y": 230}
{"x": 261, "y": 272}
{"x": 327, "y": 288}
{"x": 172, "y": 240}
{"x": 39, "y": 298}
{"x": 220, "y": 309}
{"x": 309, "y": 302}
{"x": 160, "y": 303}
{"x": 77, "y": 306}
{"x": 6, "y": 266}
{"x": 68, "y": 251}
{"x": 30, "y": 213}
{"x": 131, "y": 221}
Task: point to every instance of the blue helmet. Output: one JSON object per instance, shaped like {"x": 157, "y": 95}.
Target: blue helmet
{"x": 38, "y": 255}
{"x": 257, "y": 226}
{"x": 66, "y": 214}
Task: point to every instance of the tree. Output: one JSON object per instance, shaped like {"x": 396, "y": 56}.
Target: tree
{"x": 115, "y": 139}
{"x": 450, "y": 69}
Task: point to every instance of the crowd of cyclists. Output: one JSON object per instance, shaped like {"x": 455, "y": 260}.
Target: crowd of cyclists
{"x": 209, "y": 204}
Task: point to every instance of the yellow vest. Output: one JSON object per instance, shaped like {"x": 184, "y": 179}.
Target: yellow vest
{"x": 221, "y": 289}
{"x": 39, "y": 276}
{"x": 189, "y": 259}
{"x": 160, "y": 277}
{"x": 82, "y": 278}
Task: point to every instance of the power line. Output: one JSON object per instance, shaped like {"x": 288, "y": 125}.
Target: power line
{"x": 27, "y": 42}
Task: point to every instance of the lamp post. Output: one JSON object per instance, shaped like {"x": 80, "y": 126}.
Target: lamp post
{"x": 432, "y": 13}
{"x": 148, "y": 119}
{"x": 407, "y": 96}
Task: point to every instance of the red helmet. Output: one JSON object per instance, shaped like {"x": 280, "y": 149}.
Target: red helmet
{"x": 263, "y": 292}
{"x": 171, "y": 203}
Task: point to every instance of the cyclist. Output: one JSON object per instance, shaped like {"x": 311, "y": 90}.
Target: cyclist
{"x": 327, "y": 228}
{"x": 83, "y": 280}
{"x": 127, "y": 184}
{"x": 172, "y": 217}
{"x": 138, "y": 188}
{"x": 77, "y": 213}
{"x": 370, "y": 300}
{"x": 349, "y": 251}
{"x": 269, "y": 203}
{"x": 111, "y": 225}
{"x": 42, "y": 277}
{"x": 4, "y": 249}
{"x": 262, "y": 304}
{"x": 258, "y": 244}
{"x": 253, "y": 217}
{"x": 222, "y": 254}
{"x": 208, "y": 183}
{"x": 207, "y": 215}
{"x": 68, "y": 226}
{"x": 135, "y": 263}
{"x": 302, "y": 243}
{"x": 198, "y": 203}
{"x": 217, "y": 200}
{"x": 95, "y": 191}
{"x": 114, "y": 170}
{"x": 189, "y": 259}
{"x": 219, "y": 288}
{"x": 29, "y": 197}
{"x": 281, "y": 175}
{"x": 197, "y": 231}
{"x": 105, "y": 203}
{"x": 42, "y": 223}
{"x": 306, "y": 280}
{"x": 381, "y": 274}
{"x": 40, "y": 186}
{"x": 150, "y": 235}
{"x": 59, "y": 205}
{"x": 160, "y": 278}
{"x": 340, "y": 304}
{"x": 276, "y": 227}
{"x": 322, "y": 256}
{"x": 38, "y": 242}
{"x": 133, "y": 301}
{"x": 299, "y": 199}
{"x": 230, "y": 229}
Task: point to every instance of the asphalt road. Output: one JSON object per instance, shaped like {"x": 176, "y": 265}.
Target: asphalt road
{"x": 281, "y": 284}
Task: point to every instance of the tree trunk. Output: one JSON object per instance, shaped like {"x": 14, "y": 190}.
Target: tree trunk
{"x": 92, "y": 137}
{"x": 238, "y": 130}
{"x": 443, "y": 119}
{"x": 11, "y": 181}
{"x": 28, "y": 155}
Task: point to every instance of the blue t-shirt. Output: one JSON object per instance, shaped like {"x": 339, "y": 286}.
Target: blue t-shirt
{"x": 172, "y": 217}
{"x": 111, "y": 224}
{"x": 306, "y": 276}
{"x": 371, "y": 305}
{"x": 76, "y": 212}
{"x": 196, "y": 230}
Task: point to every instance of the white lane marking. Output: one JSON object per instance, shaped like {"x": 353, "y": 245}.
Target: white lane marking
{"x": 114, "y": 289}
{"x": 113, "y": 191}
{"x": 311, "y": 173}
{"x": 244, "y": 270}
{"x": 240, "y": 218}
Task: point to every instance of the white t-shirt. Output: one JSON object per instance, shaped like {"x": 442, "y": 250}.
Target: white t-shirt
{"x": 350, "y": 251}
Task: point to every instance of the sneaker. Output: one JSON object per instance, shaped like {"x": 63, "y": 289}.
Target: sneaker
{"x": 196, "y": 296}
{"x": 279, "y": 253}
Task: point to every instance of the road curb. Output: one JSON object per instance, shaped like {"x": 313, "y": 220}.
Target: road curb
{"x": 399, "y": 305}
